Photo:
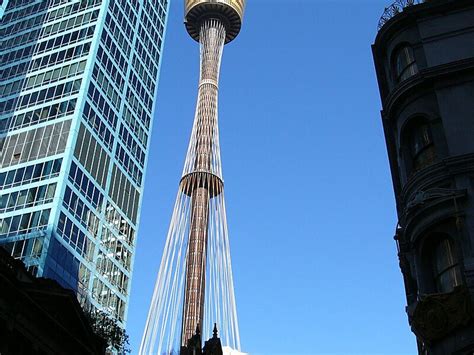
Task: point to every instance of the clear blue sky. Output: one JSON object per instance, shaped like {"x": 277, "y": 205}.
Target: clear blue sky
{"x": 310, "y": 204}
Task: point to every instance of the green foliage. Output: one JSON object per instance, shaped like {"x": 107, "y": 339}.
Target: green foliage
{"x": 106, "y": 327}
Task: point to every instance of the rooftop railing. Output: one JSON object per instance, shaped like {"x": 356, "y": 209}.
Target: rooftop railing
{"x": 397, "y": 7}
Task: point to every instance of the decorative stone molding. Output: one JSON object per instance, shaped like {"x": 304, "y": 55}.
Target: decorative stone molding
{"x": 437, "y": 315}
{"x": 422, "y": 197}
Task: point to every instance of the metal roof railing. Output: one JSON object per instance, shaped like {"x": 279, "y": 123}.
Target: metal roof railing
{"x": 395, "y": 8}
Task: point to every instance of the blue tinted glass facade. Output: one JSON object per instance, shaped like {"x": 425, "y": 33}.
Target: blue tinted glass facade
{"x": 3, "y": 6}
{"x": 77, "y": 88}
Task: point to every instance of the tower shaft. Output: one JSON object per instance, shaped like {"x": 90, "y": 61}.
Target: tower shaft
{"x": 201, "y": 180}
{"x": 196, "y": 264}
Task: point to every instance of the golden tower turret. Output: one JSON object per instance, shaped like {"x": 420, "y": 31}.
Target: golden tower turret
{"x": 230, "y": 12}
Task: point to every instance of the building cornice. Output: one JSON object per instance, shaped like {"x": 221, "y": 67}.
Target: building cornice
{"x": 436, "y": 173}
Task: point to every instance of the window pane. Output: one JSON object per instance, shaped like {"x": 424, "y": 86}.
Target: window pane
{"x": 421, "y": 138}
{"x": 447, "y": 272}
{"x": 405, "y": 64}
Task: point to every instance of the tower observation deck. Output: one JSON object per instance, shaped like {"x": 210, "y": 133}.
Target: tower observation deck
{"x": 194, "y": 289}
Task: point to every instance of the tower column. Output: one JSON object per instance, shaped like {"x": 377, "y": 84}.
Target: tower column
{"x": 196, "y": 264}
{"x": 212, "y": 37}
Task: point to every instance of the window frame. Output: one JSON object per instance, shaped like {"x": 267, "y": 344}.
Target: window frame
{"x": 403, "y": 51}
{"x": 417, "y": 159}
{"x": 453, "y": 267}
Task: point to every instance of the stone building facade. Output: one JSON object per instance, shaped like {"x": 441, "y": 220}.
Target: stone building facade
{"x": 424, "y": 60}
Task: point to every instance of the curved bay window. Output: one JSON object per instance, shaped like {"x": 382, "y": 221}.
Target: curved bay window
{"x": 421, "y": 146}
{"x": 405, "y": 63}
{"x": 446, "y": 270}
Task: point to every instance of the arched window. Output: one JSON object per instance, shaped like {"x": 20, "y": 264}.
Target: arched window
{"x": 421, "y": 145}
{"x": 405, "y": 63}
{"x": 446, "y": 271}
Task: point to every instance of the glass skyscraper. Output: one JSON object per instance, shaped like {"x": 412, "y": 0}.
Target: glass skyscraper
{"x": 78, "y": 83}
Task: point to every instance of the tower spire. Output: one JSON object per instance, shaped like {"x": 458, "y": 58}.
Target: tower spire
{"x": 194, "y": 289}
{"x": 214, "y": 332}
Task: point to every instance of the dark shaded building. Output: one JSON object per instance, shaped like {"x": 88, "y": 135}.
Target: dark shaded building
{"x": 38, "y": 316}
{"x": 211, "y": 347}
{"x": 424, "y": 59}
